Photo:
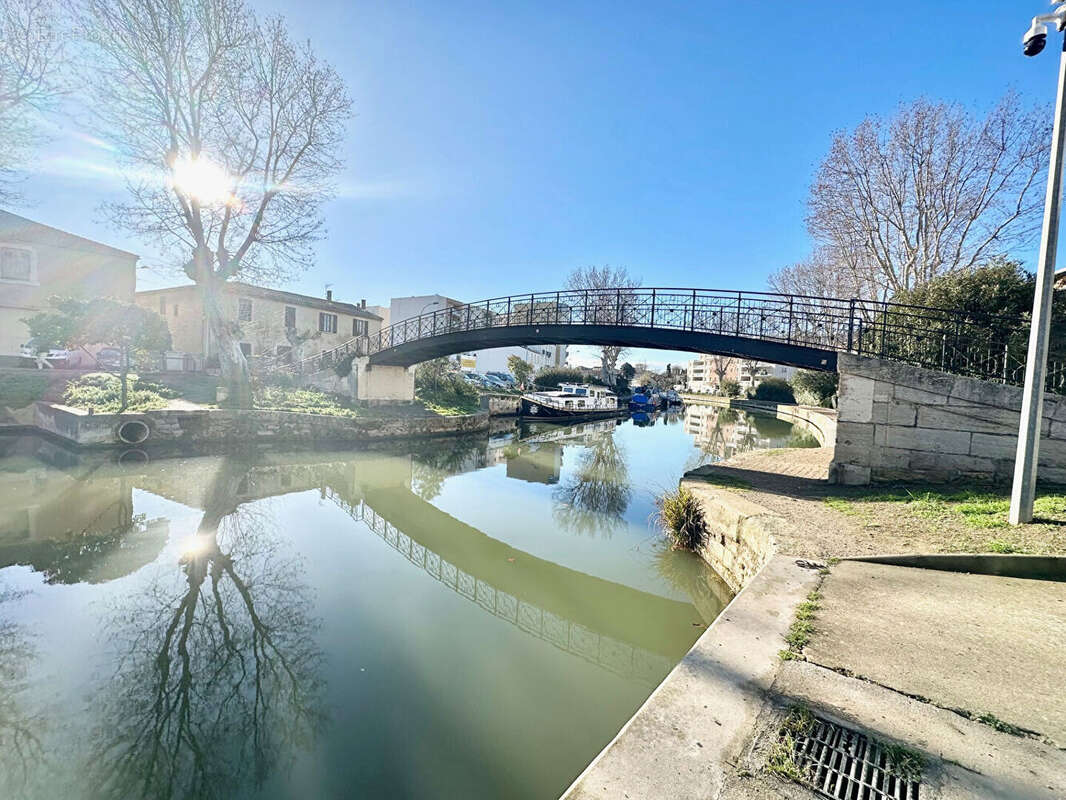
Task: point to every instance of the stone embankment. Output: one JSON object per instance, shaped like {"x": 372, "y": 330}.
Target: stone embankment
{"x": 819, "y": 422}
{"x": 230, "y": 425}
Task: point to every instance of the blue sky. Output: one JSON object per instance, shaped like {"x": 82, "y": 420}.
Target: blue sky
{"x": 497, "y": 145}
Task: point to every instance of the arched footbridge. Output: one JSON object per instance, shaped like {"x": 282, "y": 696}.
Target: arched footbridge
{"x": 797, "y": 330}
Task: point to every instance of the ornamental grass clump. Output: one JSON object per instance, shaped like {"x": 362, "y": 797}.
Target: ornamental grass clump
{"x": 681, "y": 518}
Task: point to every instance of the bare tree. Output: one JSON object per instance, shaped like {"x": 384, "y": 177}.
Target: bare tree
{"x": 721, "y": 365}
{"x": 929, "y": 191}
{"x": 232, "y": 134}
{"x": 31, "y": 56}
{"x": 218, "y": 685}
{"x": 602, "y": 279}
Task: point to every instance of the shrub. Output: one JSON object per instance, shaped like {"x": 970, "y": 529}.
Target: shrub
{"x": 729, "y": 388}
{"x": 343, "y": 368}
{"x": 451, "y": 395}
{"x": 774, "y": 390}
{"x": 102, "y": 392}
{"x": 818, "y": 388}
{"x": 681, "y": 518}
{"x": 551, "y": 377}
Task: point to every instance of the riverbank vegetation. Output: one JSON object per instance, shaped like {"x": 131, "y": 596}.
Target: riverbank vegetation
{"x": 680, "y": 516}
{"x": 103, "y": 393}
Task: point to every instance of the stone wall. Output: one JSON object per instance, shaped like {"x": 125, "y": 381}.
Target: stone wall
{"x": 230, "y": 425}
{"x": 740, "y": 534}
{"x": 898, "y": 422}
{"x": 501, "y": 405}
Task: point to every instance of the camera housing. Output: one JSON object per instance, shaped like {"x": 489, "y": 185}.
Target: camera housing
{"x": 1034, "y": 45}
{"x": 1035, "y": 38}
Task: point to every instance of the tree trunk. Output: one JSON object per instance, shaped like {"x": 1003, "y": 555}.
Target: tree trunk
{"x": 125, "y": 378}
{"x": 226, "y": 334}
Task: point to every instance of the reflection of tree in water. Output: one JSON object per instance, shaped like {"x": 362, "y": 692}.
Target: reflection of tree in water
{"x": 594, "y": 497}
{"x": 20, "y": 745}
{"x": 432, "y": 465}
{"x": 217, "y": 686}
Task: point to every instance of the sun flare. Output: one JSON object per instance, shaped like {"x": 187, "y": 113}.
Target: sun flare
{"x": 202, "y": 180}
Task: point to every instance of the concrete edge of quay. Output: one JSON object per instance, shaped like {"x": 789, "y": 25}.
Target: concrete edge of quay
{"x": 704, "y": 731}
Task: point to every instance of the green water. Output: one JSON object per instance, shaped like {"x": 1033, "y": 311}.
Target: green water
{"x": 466, "y": 618}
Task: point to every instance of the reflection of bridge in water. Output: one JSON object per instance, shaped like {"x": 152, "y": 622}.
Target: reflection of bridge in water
{"x": 621, "y": 658}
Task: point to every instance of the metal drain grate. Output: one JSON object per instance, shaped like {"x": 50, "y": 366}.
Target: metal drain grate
{"x": 845, "y": 765}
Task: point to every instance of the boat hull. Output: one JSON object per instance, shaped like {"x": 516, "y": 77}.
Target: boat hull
{"x": 531, "y": 409}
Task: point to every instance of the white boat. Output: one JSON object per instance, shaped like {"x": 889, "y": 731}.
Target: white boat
{"x": 570, "y": 401}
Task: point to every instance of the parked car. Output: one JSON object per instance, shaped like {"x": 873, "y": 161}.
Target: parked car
{"x": 43, "y": 359}
{"x": 109, "y": 358}
{"x": 505, "y": 377}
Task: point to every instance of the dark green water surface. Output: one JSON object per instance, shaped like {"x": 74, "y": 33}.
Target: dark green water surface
{"x": 463, "y": 618}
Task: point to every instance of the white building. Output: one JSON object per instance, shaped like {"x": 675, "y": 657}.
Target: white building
{"x": 703, "y": 372}
{"x": 491, "y": 360}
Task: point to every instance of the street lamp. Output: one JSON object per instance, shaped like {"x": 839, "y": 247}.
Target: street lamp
{"x": 1023, "y": 491}
{"x": 437, "y": 302}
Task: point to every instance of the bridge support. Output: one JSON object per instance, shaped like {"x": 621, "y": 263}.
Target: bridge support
{"x": 902, "y": 423}
{"x": 382, "y": 385}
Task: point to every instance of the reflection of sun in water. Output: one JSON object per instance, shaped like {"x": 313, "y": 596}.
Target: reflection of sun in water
{"x": 195, "y": 545}
{"x": 202, "y": 180}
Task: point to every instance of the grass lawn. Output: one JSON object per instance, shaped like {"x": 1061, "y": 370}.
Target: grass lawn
{"x": 448, "y": 404}
{"x": 972, "y": 519}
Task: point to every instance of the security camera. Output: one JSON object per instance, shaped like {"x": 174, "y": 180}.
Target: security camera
{"x": 1035, "y": 38}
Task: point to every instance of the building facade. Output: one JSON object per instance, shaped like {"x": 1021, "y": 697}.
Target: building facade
{"x": 38, "y": 261}
{"x": 702, "y": 373}
{"x": 273, "y": 323}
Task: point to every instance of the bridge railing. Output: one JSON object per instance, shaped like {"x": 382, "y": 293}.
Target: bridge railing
{"x": 977, "y": 345}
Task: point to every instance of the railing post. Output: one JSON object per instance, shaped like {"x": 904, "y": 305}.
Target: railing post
{"x": 585, "y": 314}
{"x": 468, "y": 316}
{"x": 851, "y": 322}
{"x": 884, "y": 327}
{"x": 652, "y": 308}
{"x": 531, "y": 309}
{"x": 556, "y": 308}
{"x": 738, "y": 316}
{"x": 508, "y": 312}
{"x": 692, "y": 313}
{"x": 791, "y": 299}
{"x": 618, "y": 307}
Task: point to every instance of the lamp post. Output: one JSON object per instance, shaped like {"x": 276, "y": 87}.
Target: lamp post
{"x": 428, "y": 305}
{"x": 1023, "y": 491}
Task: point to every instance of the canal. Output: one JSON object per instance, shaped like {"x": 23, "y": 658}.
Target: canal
{"x": 473, "y": 617}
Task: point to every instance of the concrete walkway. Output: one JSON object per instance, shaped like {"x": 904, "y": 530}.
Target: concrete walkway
{"x": 900, "y": 654}
{"x": 981, "y": 644}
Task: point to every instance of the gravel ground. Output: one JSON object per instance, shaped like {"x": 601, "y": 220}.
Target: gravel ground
{"x": 842, "y": 521}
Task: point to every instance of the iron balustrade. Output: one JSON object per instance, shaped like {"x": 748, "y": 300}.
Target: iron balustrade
{"x": 964, "y": 343}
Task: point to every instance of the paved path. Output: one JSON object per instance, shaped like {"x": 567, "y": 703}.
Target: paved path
{"x": 978, "y": 643}
{"x": 811, "y": 463}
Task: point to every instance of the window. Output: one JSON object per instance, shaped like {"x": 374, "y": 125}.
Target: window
{"x": 359, "y": 327}
{"x": 17, "y": 264}
{"x": 290, "y": 316}
{"x": 162, "y": 306}
{"x": 246, "y": 348}
{"x": 244, "y": 310}
{"x": 327, "y": 323}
